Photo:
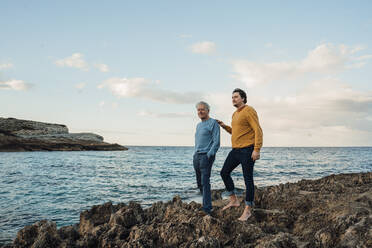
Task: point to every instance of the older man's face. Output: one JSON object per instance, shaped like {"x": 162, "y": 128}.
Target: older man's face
{"x": 202, "y": 111}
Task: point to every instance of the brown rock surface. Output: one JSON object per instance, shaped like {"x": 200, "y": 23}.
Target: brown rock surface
{"x": 335, "y": 211}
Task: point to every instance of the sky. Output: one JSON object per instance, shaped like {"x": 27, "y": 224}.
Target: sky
{"x": 132, "y": 71}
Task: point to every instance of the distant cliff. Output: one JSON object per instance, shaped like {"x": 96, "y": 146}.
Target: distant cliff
{"x": 26, "y": 135}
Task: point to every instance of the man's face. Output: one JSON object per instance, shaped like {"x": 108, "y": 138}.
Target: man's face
{"x": 202, "y": 111}
{"x": 237, "y": 100}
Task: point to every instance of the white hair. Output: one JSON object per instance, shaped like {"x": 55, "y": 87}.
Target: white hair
{"x": 203, "y": 103}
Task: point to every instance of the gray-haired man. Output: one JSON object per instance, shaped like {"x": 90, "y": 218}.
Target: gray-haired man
{"x": 207, "y": 142}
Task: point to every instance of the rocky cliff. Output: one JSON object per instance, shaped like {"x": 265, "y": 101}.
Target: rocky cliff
{"x": 335, "y": 211}
{"x": 26, "y": 135}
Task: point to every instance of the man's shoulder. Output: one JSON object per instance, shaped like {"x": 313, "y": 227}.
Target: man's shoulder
{"x": 213, "y": 121}
{"x": 249, "y": 109}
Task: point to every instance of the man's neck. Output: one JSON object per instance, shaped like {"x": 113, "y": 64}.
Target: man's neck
{"x": 205, "y": 119}
{"x": 240, "y": 107}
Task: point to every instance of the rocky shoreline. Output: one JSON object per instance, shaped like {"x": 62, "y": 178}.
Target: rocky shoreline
{"x": 24, "y": 135}
{"x": 334, "y": 211}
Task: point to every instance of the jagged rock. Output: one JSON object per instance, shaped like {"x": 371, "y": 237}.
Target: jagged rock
{"x": 96, "y": 216}
{"x": 39, "y": 235}
{"x": 304, "y": 214}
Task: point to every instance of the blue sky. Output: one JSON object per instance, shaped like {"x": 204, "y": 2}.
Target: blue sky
{"x": 132, "y": 71}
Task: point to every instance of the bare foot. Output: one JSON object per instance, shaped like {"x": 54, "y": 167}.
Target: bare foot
{"x": 246, "y": 214}
{"x": 235, "y": 203}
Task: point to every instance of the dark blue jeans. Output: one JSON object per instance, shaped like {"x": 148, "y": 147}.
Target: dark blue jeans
{"x": 203, "y": 167}
{"x": 240, "y": 156}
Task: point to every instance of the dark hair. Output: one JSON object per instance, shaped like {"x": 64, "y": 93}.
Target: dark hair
{"x": 241, "y": 93}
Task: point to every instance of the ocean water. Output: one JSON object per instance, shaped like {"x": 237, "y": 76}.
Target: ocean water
{"x": 59, "y": 185}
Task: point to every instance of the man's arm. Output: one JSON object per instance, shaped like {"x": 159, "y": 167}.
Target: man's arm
{"x": 226, "y": 127}
{"x": 252, "y": 119}
{"x": 215, "y": 140}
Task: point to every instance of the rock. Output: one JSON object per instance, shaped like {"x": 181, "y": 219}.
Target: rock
{"x": 25, "y": 127}
{"x": 25, "y": 135}
{"x": 205, "y": 242}
{"x": 96, "y": 216}
{"x": 334, "y": 211}
{"x": 280, "y": 240}
{"x": 42, "y": 234}
{"x": 66, "y": 136}
{"x": 69, "y": 232}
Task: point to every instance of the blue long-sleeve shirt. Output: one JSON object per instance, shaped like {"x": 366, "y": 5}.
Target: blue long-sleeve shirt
{"x": 207, "y": 137}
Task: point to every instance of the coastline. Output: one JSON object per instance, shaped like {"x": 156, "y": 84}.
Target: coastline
{"x": 17, "y": 135}
{"x": 332, "y": 211}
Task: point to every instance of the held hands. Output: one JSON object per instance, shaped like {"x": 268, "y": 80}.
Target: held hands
{"x": 255, "y": 155}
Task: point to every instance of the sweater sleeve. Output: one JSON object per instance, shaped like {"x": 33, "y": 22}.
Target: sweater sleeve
{"x": 215, "y": 139}
{"x": 252, "y": 119}
{"x": 228, "y": 129}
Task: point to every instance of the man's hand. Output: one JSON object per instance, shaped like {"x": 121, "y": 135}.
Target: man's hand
{"x": 221, "y": 123}
{"x": 255, "y": 155}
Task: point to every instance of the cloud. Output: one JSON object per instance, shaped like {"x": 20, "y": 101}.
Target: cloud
{"x": 146, "y": 113}
{"x": 6, "y": 66}
{"x": 102, "y": 67}
{"x": 14, "y": 85}
{"x": 269, "y": 45}
{"x": 141, "y": 88}
{"x": 80, "y": 86}
{"x": 324, "y": 59}
{"x": 364, "y": 57}
{"x": 101, "y": 103}
{"x": 326, "y": 112}
{"x": 185, "y": 35}
{"x": 204, "y": 47}
{"x": 75, "y": 60}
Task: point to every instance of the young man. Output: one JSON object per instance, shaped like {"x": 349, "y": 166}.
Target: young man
{"x": 246, "y": 139}
{"x": 207, "y": 142}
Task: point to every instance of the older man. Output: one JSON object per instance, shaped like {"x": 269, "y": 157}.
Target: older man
{"x": 207, "y": 142}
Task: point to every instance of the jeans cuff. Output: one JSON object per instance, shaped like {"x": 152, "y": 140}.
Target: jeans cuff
{"x": 232, "y": 192}
{"x": 249, "y": 203}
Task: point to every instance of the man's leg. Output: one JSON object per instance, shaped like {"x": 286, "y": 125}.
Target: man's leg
{"x": 205, "y": 168}
{"x": 247, "y": 166}
{"x": 230, "y": 164}
{"x": 196, "y": 162}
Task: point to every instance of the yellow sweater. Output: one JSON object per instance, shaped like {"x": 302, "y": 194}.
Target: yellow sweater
{"x": 245, "y": 129}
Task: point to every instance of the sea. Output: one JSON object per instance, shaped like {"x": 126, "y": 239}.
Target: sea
{"x": 59, "y": 185}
